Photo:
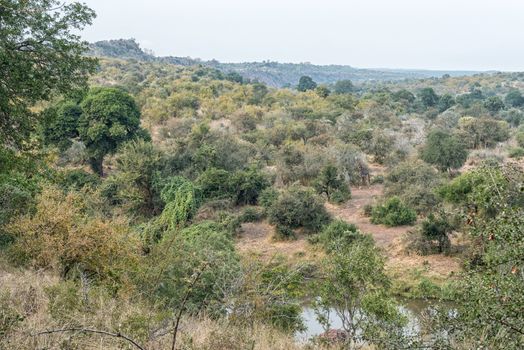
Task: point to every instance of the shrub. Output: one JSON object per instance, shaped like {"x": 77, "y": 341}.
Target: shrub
{"x": 437, "y": 228}
{"x": 248, "y": 184}
{"x": 393, "y": 213}
{"x": 520, "y": 138}
{"x": 338, "y": 230}
{"x": 252, "y": 214}
{"x": 517, "y": 152}
{"x": 16, "y": 196}
{"x": 181, "y": 198}
{"x": 61, "y": 236}
{"x": 206, "y": 248}
{"x": 443, "y": 150}
{"x": 414, "y": 182}
{"x": 329, "y": 183}
{"x": 267, "y": 197}
{"x": 298, "y": 207}
{"x": 77, "y": 178}
{"x": 215, "y": 184}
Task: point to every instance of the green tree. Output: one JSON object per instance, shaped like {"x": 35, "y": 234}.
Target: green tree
{"x": 445, "y": 102}
{"x": 428, "y": 97}
{"x": 306, "y": 83}
{"x": 322, "y": 91}
{"x": 343, "y": 87}
{"x": 60, "y": 124}
{"x": 414, "y": 182}
{"x": 482, "y": 132}
{"x": 490, "y": 297}
{"x": 514, "y": 98}
{"x": 109, "y": 117}
{"x": 494, "y": 104}
{"x": 393, "y": 213}
{"x": 354, "y": 285}
{"x": 41, "y": 55}
{"x": 298, "y": 207}
{"x": 248, "y": 184}
{"x": 138, "y": 163}
{"x": 329, "y": 183}
{"x": 444, "y": 151}
{"x": 437, "y": 228}
{"x": 520, "y": 137}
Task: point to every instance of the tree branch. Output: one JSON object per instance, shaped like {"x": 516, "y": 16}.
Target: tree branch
{"x": 87, "y": 330}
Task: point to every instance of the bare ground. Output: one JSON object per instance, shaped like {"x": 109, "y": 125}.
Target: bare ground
{"x": 389, "y": 238}
{"x": 256, "y": 239}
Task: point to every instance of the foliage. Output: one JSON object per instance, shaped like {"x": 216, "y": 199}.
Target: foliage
{"x": 490, "y": 292}
{"x": 514, "y": 99}
{"x": 16, "y": 198}
{"x": 60, "y": 124}
{"x": 520, "y": 138}
{"x": 343, "y": 87}
{"x": 354, "y": 285}
{"x": 109, "y": 117}
{"x": 215, "y": 183}
{"x": 248, "y": 184}
{"x": 77, "y": 179}
{"x": 298, "y": 207}
{"x": 204, "y": 248}
{"x": 414, "y": 182}
{"x": 338, "y": 230}
{"x": 41, "y": 55}
{"x": 138, "y": 164}
{"x": 393, "y": 213}
{"x": 437, "y": 228}
{"x": 482, "y": 132}
{"x": 306, "y": 83}
{"x": 329, "y": 183}
{"x": 444, "y": 151}
{"x": 494, "y": 104}
{"x": 428, "y": 97}
{"x": 72, "y": 241}
{"x": 269, "y": 292}
{"x": 181, "y": 200}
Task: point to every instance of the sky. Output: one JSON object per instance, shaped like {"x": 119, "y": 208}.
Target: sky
{"x": 414, "y": 34}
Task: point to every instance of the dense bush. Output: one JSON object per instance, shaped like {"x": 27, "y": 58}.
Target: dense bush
{"x": 203, "y": 248}
{"x": 338, "y": 230}
{"x": 72, "y": 241}
{"x": 437, "y": 228}
{"x": 298, "y": 207}
{"x": 393, "y": 213}
{"x": 444, "y": 150}
{"x": 329, "y": 183}
{"x": 414, "y": 182}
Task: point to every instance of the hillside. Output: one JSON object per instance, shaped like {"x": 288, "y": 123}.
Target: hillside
{"x": 274, "y": 74}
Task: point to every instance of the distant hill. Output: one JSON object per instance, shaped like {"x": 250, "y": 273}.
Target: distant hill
{"x": 272, "y": 73}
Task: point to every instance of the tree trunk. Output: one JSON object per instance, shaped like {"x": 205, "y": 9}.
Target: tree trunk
{"x": 96, "y": 165}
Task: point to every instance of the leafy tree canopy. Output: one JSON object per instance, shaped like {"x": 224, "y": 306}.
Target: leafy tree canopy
{"x": 40, "y": 55}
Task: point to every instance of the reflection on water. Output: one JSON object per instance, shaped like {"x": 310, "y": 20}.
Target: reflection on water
{"x": 411, "y": 309}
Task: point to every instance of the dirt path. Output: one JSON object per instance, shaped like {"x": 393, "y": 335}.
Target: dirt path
{"x": 352, "y": 212}
{"x": 389, "y": 238}
{"x": 256, "y": 240}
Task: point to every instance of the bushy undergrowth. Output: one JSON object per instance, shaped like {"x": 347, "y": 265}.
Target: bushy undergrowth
{"x": 393, "y": 212}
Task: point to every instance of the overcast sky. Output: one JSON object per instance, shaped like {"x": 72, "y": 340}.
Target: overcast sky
{"x": 428, "y": 34}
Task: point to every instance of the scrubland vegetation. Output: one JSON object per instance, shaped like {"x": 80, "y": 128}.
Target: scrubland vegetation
{"x": 128, "y": 185}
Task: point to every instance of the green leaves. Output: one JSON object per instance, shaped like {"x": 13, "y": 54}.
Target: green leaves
{"x": 39, "y": 56}
{"x": 393, "y": 213}
{"x": 109, "y": 117}
{"x": 444, "y": 151}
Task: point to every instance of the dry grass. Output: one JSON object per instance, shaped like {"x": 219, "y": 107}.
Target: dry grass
{"x": 257, "y": 240}
{"x": 25, "y": 300}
